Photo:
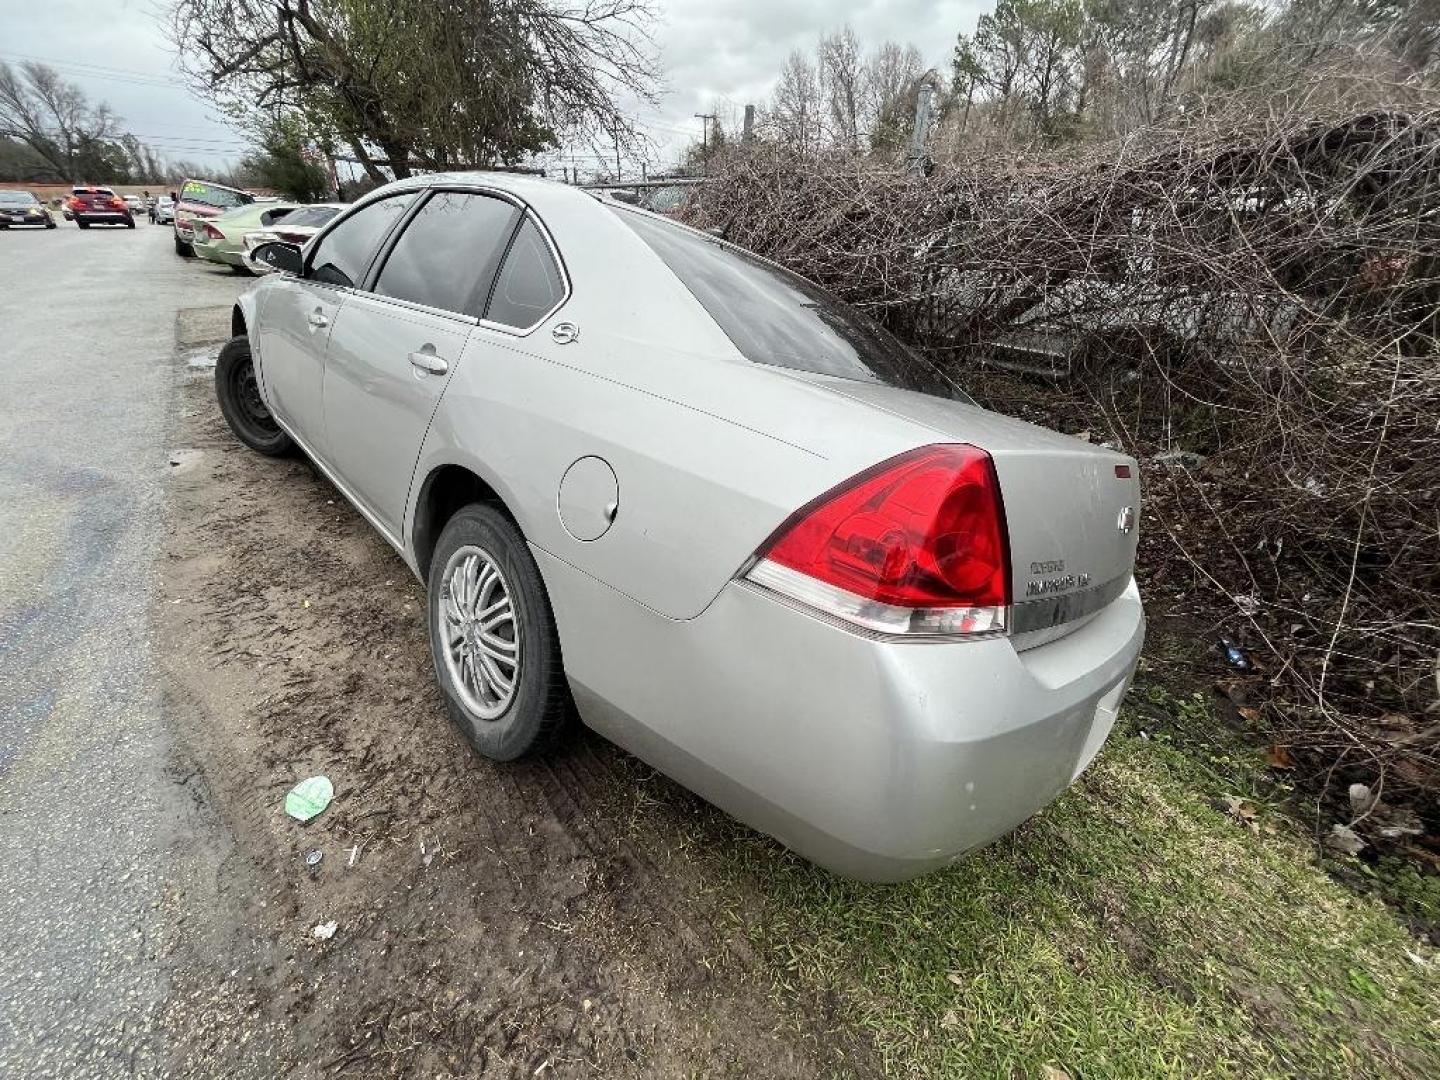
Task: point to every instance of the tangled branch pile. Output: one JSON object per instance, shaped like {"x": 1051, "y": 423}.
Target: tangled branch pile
{"x": 1263, "y": 295}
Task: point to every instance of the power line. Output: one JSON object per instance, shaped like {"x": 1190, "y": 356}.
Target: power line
{"x": 99, "y": 70}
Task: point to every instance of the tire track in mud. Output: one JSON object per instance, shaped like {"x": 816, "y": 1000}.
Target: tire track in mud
{"x": 539, "y": 918}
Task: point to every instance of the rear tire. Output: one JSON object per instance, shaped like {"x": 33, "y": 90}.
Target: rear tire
{"x": 531, "y": 714}
{"x": 82, "y": 224}
{"x": 130, "y": 223}
{"x": 238, "y": 391}
{"x": 184, "y": 250}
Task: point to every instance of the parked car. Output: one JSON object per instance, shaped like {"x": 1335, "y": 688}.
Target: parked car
{"x": 23, "y": 208}
{"x": 98, "y": 206}
{"x": 162, "y": 210}
{"x": 221, "y": 239}
{"x": 296, "y": 228}
{"x": 744, "y": 531}
{"x": 197, "y": 200}
{"x": 135, "y": 204}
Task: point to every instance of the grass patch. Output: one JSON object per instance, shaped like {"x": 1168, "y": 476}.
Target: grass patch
{"x": 1131, "y": 929}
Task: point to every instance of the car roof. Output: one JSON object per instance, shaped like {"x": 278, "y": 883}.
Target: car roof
{"x": 212, "y": 183}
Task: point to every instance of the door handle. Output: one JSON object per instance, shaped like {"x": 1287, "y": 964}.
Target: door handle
{"x": 429, "y": 362}
{"x": 318, "y": 319}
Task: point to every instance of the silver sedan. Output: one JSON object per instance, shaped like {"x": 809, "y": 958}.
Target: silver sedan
{"x": 658, "y": 482}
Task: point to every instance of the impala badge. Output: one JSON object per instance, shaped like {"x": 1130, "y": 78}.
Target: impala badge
{"x": 1125, "y": 523}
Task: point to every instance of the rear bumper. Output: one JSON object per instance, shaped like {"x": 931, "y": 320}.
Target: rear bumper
{"x": 877, "y": 759}
{"x": 215, "y": 253}
{"x": 112, "y": 216}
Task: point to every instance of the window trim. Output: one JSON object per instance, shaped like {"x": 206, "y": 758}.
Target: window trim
{"x": 311, "y": 247}
{"x": 422, "y": 192}
{"x": 517, "y": 332}
{"x": 388, "y": 245}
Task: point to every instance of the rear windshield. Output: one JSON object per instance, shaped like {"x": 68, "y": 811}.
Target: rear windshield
{"x": 776, "y": 317}
{"x": 17, "y": 198}
{"x": 313, "y": 216}
{"x": 201, "y": 192}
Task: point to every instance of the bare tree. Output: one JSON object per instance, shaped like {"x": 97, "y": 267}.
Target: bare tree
{"x": 842, "y": 79}
{"x": 53, "y": 118}
{"x": 427, "y": 82}
{"x": 795, "y": 110}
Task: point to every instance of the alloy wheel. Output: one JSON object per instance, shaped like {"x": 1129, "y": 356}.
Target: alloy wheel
{"x": 479, "y": 632}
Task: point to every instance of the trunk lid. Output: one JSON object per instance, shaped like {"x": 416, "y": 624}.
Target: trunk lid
{"x": 1071, "y": 508}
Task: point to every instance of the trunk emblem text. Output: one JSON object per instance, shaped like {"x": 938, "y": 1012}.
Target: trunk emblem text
{"x": 1046, "y": 586}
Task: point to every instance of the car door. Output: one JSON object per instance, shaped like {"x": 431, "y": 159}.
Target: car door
{"x": 294, "y": 328}
{"x": 395, "y": 345}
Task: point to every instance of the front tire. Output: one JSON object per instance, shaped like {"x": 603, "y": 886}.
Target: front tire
{"x": 238, "y": 391}
{"x": 493, "y": 638}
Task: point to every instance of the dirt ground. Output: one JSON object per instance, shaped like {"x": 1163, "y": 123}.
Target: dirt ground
{"x": 541, "y": 919}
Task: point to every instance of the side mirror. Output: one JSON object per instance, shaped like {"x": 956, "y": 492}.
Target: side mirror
{"x": 280, "y": 256}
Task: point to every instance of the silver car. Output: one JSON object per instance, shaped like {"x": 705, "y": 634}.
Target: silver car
{"x": 652, "y": 479}
{"x": 296, "y": 228}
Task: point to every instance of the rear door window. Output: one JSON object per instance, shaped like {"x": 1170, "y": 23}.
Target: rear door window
{"x": 447, "y": 255}
{"x": 343, "y": 253}
{"x": 776, "y": 317}
{"x": 530, "y": 283}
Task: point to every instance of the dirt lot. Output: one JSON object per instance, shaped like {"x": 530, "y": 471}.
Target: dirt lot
{"x": 582, "y": 916}
{"x": 538, "y": 919}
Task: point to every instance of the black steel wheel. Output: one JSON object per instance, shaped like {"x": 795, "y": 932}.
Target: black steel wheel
{"x": 238, "y": 391}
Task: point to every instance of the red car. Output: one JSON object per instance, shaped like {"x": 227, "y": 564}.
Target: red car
{"x": 200, "y": 199}
{"x": 97, "y": 206}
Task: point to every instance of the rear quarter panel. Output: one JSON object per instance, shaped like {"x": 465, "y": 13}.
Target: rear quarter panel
{"x": 697, "y": 494}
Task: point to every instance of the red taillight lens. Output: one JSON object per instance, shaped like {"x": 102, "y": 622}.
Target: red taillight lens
{"x": 914, "y": 545}
{"x": 118, "y": 204}
{"x": 212, "y": 232}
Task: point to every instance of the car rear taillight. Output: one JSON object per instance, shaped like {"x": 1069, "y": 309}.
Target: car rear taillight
{"x": 118, "y": 204}
{"x": 212, "y": 232}
{"x": 915, "y": 545}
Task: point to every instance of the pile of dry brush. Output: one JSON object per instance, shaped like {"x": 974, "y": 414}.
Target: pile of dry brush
{"x": 1262, "y": 294}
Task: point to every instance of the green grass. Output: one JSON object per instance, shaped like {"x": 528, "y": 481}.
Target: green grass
{"x": 1131, "y": 929}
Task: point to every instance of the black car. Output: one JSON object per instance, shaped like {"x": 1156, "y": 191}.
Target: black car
{"x": 23, "y": 208}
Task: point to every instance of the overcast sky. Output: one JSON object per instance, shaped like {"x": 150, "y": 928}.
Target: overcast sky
{"x": 714, "y": 52}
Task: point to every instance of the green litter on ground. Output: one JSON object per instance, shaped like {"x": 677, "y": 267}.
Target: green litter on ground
{"x": 309, "y": 797}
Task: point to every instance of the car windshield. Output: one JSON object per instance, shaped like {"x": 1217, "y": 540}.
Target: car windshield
{"x": 17, "y": 198}
{"x": 201, "y": 192}
{"x": 777, "y": 317}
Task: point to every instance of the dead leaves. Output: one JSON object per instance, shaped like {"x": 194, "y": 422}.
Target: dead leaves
{"x": 1278, "y": 757}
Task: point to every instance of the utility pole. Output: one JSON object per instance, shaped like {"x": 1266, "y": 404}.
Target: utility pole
{"x": 705, "y": 120}
{"x": 748, "y": 132}
{"x": 921, "y": 135}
